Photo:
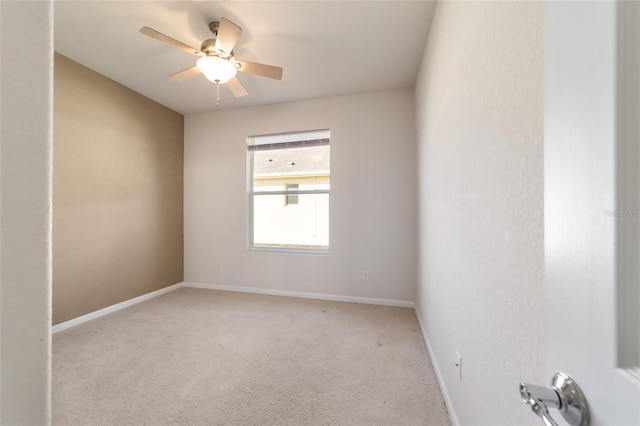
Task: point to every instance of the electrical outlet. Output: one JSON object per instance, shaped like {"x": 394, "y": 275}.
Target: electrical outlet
{"x": 219, "y": 266}
{"x": 365, "y": 275}
{"x": 459, "y": 365}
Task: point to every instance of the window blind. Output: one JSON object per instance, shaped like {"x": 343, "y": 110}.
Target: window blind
{"x": 288, "y": 140}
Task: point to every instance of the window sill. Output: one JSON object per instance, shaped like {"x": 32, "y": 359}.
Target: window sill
{"x": 290, "y": 250}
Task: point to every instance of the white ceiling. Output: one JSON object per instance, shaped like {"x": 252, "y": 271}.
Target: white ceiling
{"x": 325, "y": 47}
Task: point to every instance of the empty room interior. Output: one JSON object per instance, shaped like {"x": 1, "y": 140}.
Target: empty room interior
{"x": 435, "y": 195}
{"x": 345, "y": 225}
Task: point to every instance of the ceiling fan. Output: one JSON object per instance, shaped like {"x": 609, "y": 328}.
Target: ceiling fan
{"x": 217, "y": 61}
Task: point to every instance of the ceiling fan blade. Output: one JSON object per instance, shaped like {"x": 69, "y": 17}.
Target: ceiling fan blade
{"x": 260, "y": 69}
{"x": 185, "y": 74}
{"x": 228, "y": 35}
{"x": 166, "y": 39}
{"x": 237, "y": 88}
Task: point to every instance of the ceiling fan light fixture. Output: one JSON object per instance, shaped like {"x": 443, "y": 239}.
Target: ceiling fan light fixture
{"x": 216, "y": 69}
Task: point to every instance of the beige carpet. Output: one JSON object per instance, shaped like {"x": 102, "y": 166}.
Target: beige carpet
{"x": 204, "y": 357}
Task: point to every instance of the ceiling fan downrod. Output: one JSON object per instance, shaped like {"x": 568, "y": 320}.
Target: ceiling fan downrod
{"x": 213, "y": 27}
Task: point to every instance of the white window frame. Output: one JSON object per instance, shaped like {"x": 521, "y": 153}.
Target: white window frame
{"x": 275, "y": 141}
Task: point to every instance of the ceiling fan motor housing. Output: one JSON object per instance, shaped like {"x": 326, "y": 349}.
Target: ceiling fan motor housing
{"x": 209, "y": 47}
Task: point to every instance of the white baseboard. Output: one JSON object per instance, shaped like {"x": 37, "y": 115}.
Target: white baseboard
{"x": 436, "y": 368}
{"x": 305, "y": 295}
{"x": 109, "y": 309}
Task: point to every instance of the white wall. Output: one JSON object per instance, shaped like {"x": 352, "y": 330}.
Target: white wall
{"x": 25, "y": 257}
{"x": 480, "y": 153}
{"x": 372, "y": 206}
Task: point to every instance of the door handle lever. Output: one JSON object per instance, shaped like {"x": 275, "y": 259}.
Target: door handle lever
{"x": 564, "y": 394}
{"x": 540, "y": 399}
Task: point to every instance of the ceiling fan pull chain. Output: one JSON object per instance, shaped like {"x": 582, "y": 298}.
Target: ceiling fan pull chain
{"x": 217, "y": 95}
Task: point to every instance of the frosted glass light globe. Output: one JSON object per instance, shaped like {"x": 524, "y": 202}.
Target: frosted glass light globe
{"x": 216, "y": 69}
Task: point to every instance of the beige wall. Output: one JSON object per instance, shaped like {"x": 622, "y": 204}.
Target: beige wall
{"x": 117, "y": 193}
{"x": 372, "y": 202}
{"x": 481, "y": 245}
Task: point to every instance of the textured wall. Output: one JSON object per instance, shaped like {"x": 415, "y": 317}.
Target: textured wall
{"x": 25, "y": 256}
{"x": 372, "y": 204}
{"x": 479, "y": 123}
{"x": 117, "y": 193}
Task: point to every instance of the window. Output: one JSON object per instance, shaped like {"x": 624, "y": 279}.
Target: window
{"x": 295, "y": 166}
{"x": 291, "y": 199}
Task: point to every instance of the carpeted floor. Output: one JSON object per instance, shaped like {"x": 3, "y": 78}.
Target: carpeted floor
{"x": 204, "y": 357}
